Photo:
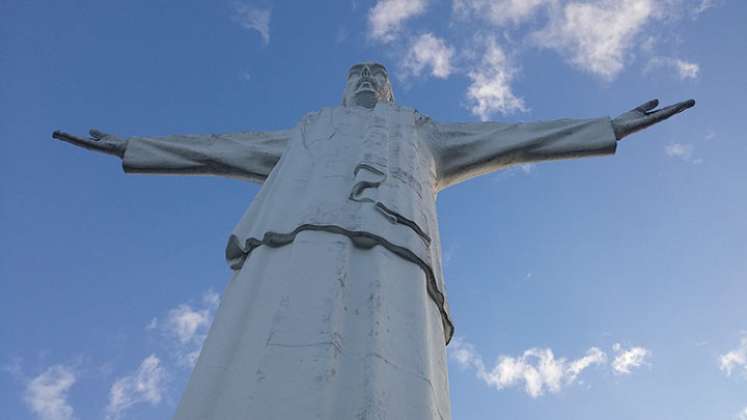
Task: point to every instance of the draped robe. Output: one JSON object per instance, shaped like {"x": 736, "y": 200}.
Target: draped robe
{"x": 337, "y": 306}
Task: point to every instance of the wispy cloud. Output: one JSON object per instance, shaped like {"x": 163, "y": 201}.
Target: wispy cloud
{"x": 596, "y": 36}
{"x": 254, "y": 18}
{"x": 429, "y": 51}
{"x": 342, "y": 35}
{"x": 701, "y": 7}
{"x": 742, "y": 414}
{"x": 146, "y": 385}
{"x": 46, "y": 395}
{"x": 187, "y": 326}
{"x": 499, "y": 12}
{"x": 536, "y": 369}
{"x": 386, "y": 18}
{"x": 683, "y": 69}
{"x": 526, "y": 168}
{"x": 682, "y": 151}
{"x": 490, "y": 89}
{"x": 626, "y": 360}
{"x": 735, "y": 359}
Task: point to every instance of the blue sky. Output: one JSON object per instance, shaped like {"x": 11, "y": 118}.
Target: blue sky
{"x": 609, "y": 287}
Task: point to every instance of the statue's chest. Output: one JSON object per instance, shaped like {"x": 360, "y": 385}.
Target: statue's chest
{"x": 386, "y": 137}
{"x": 377, "y": 159}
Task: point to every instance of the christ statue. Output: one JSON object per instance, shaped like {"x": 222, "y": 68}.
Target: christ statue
{"x": 336, "y": 308}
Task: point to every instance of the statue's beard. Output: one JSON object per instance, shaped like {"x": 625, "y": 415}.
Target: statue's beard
{"x": 366, "y": 98}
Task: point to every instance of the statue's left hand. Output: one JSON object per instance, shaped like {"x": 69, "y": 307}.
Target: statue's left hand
{"x": 645, "y": 116}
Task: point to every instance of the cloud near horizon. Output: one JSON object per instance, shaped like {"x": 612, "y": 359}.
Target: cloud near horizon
{"x": 186, "y": 327}
{"x": 538, "y": 370}
{"x": 627, "y": 360}
{"x": 146, "y": 385}
{"x": 46, "y": 394}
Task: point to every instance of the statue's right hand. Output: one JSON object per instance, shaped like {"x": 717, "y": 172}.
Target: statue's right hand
{"x": 98, "y": 141}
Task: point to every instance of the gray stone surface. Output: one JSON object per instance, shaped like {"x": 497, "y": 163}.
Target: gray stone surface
{"x": 337, "y": 305}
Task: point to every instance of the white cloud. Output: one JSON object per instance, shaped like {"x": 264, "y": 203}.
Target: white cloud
{"x": 189, "y": 325}
{"x": 184, "y": 322}
{"x": 499, "y": 12}
{"x": 702, "y": 7}
{"x": 490, "y": 90}
{"x": 46, "y": 394}
{"x": 429, "y": 51}
{"x": 594, "y": 356}
{"x": 146, "y": 385}
{"x": 742, "y": 414}
{"x": 736, "y": 358}
{"x": 465, "y": 355}
{"x": 679, "y": 150}
{"x": 682, "y": 151}
{"x": 625, "y": 360}
{"x": 254, "y": 18}
{"x": 152, "y": 324}
{"x": 386, "y": 18}
{"x": 537, "y": 369}
{"x": 596, "y": 36}
{"x": 527, "y": 168}
{"x": 687, "y": 70}
{"x": 684, "y": 69}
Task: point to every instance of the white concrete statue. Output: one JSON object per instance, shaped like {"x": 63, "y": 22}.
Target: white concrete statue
{"x": 336, "y": 308}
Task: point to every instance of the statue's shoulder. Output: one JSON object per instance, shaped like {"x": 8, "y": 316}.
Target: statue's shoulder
{"x": 314, "y": 115}
{"x": 418, "y": 116}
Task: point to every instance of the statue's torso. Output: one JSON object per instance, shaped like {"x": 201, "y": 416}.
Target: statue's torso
{"x": 356, "y": 170}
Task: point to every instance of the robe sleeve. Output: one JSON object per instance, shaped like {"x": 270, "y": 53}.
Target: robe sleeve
{"x": 466, "y": 150}
{"x": 246, "y": 155}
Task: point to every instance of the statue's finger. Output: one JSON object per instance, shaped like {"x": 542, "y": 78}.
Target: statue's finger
{"x": 61, "y": 135}
{"x": 648, "y": 106}
{"x": 667, "y": 112}
{"x": 97, "y": 134}
{"x": 78, "y": 141}
{"x": 686, "y": 104}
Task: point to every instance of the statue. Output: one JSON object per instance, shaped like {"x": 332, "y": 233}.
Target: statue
{"x": 336, "y": 307}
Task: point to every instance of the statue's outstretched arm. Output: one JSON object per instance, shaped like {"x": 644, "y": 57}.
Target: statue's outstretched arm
{"x": 246, "y": 155}
{"x": 466, "y": 150}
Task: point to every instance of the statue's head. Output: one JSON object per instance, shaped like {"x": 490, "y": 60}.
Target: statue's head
{"x": 367, "y": 84}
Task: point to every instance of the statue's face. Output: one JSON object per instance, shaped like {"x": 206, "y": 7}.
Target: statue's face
{"x": 368, "y": 83}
